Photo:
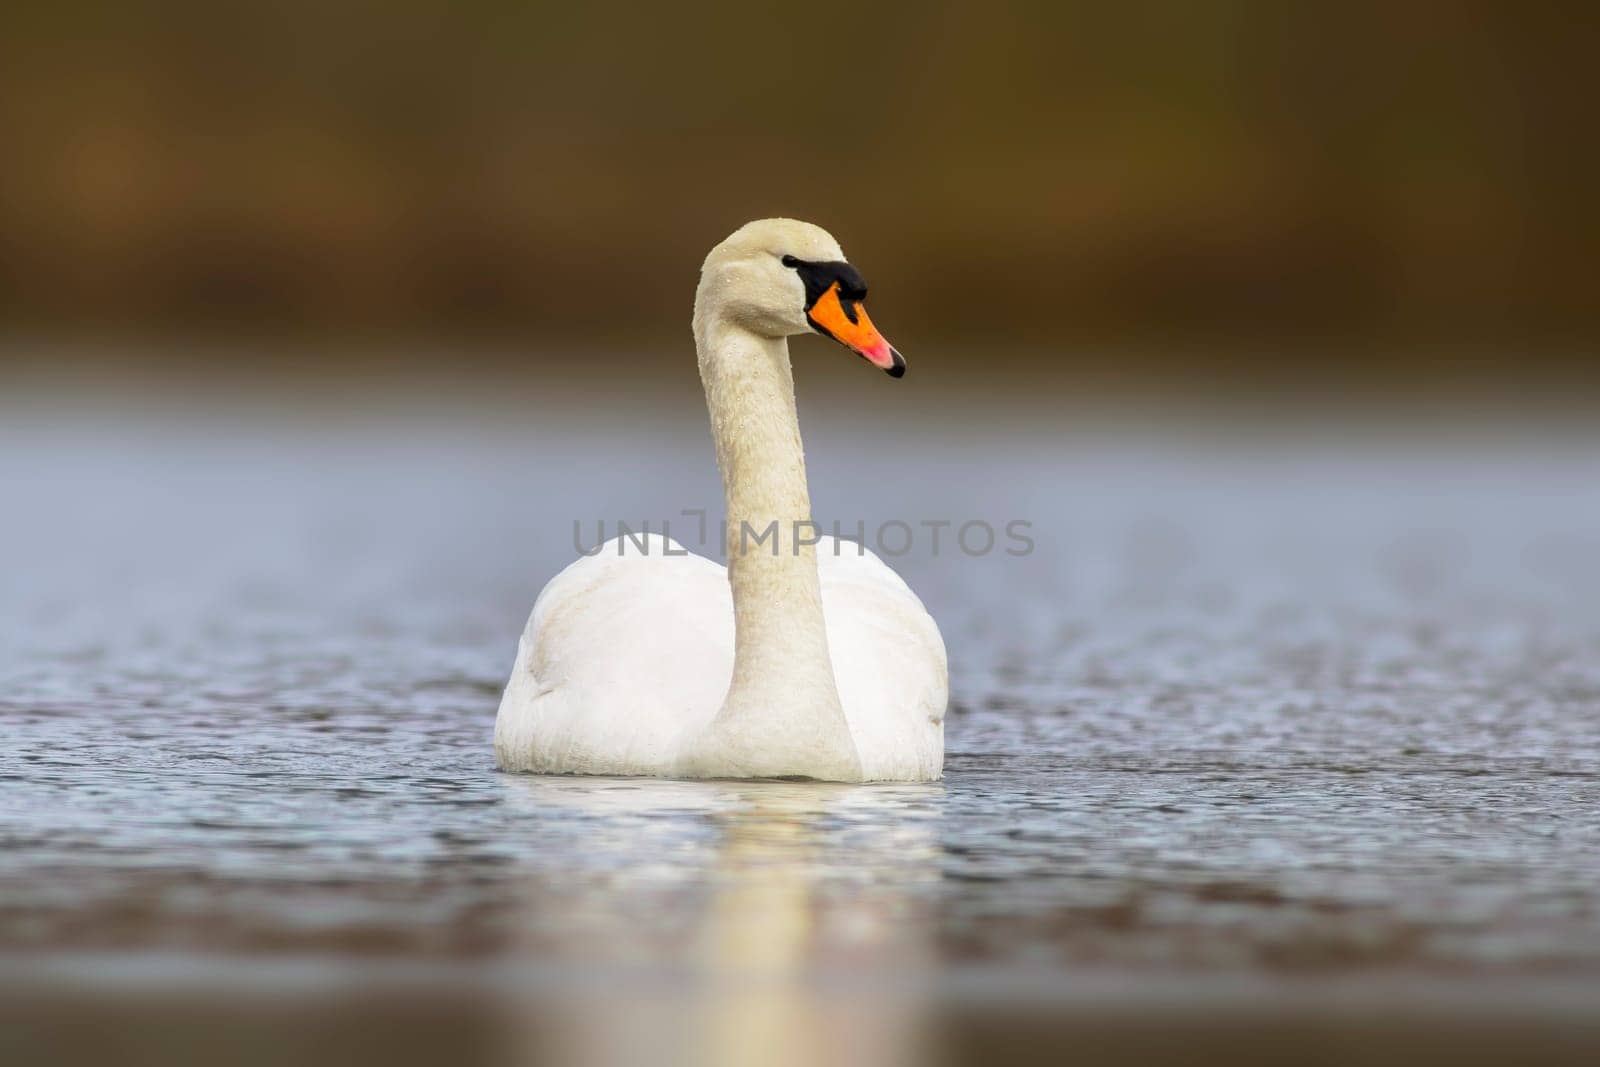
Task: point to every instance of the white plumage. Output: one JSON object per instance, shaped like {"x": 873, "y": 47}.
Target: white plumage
{"x": 626, "y": 659}
{"x": 802, "y": 658}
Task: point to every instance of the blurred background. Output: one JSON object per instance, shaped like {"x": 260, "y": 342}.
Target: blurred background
{"x": 322, "y": 325}
{"x": 1402, "y": 193}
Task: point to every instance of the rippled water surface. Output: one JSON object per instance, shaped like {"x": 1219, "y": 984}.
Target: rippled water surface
{"x": 1249, "y": 707}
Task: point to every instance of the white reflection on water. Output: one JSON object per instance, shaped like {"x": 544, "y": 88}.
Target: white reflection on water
{"x": 791, "y": 883}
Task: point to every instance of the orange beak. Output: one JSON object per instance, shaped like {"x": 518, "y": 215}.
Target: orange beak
{"x": 846, "y": 321}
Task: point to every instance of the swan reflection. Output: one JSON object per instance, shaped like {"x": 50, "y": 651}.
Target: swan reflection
{"x": 726, "y": 922}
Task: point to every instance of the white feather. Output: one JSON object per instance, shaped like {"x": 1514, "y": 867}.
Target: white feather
{"x": 800, "y": 659}
{"x": 626, "y": 659}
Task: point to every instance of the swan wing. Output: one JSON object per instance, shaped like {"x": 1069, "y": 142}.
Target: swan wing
{"x": 889, "y": 663}
{"x": 627, "y": 653}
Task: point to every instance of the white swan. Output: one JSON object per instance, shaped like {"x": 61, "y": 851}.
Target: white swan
{"x": 822, "y": 664}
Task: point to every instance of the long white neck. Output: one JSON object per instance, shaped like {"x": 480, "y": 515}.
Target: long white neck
{"x": 782, "y": 715}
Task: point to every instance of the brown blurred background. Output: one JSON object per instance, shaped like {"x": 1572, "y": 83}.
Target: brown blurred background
{"x": 1357, "y": 192}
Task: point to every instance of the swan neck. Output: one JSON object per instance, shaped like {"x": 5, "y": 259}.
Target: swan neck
{"x": 783, "y": 692}
{"x": 750, "y": 395}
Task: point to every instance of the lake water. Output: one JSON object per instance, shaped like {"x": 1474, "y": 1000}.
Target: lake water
{"x": 1265, "y": 723}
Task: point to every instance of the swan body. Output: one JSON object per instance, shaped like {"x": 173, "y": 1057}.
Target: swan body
{"x": 634, "y": 636}
{"x": 807, "y": 656}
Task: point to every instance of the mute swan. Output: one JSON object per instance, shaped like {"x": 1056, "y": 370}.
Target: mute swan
{"x": 821, "y": 664}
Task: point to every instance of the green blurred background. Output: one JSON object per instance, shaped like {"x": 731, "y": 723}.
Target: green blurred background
{"x": 1357, "y": 194}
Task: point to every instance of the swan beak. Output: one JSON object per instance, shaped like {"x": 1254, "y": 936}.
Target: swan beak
{"x": 846, "y": 321}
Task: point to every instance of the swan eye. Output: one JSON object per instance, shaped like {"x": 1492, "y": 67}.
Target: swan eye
{"x": 790, "y": 261}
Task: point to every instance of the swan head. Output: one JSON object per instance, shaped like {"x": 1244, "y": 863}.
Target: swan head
{"x": 781, "y": 277}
